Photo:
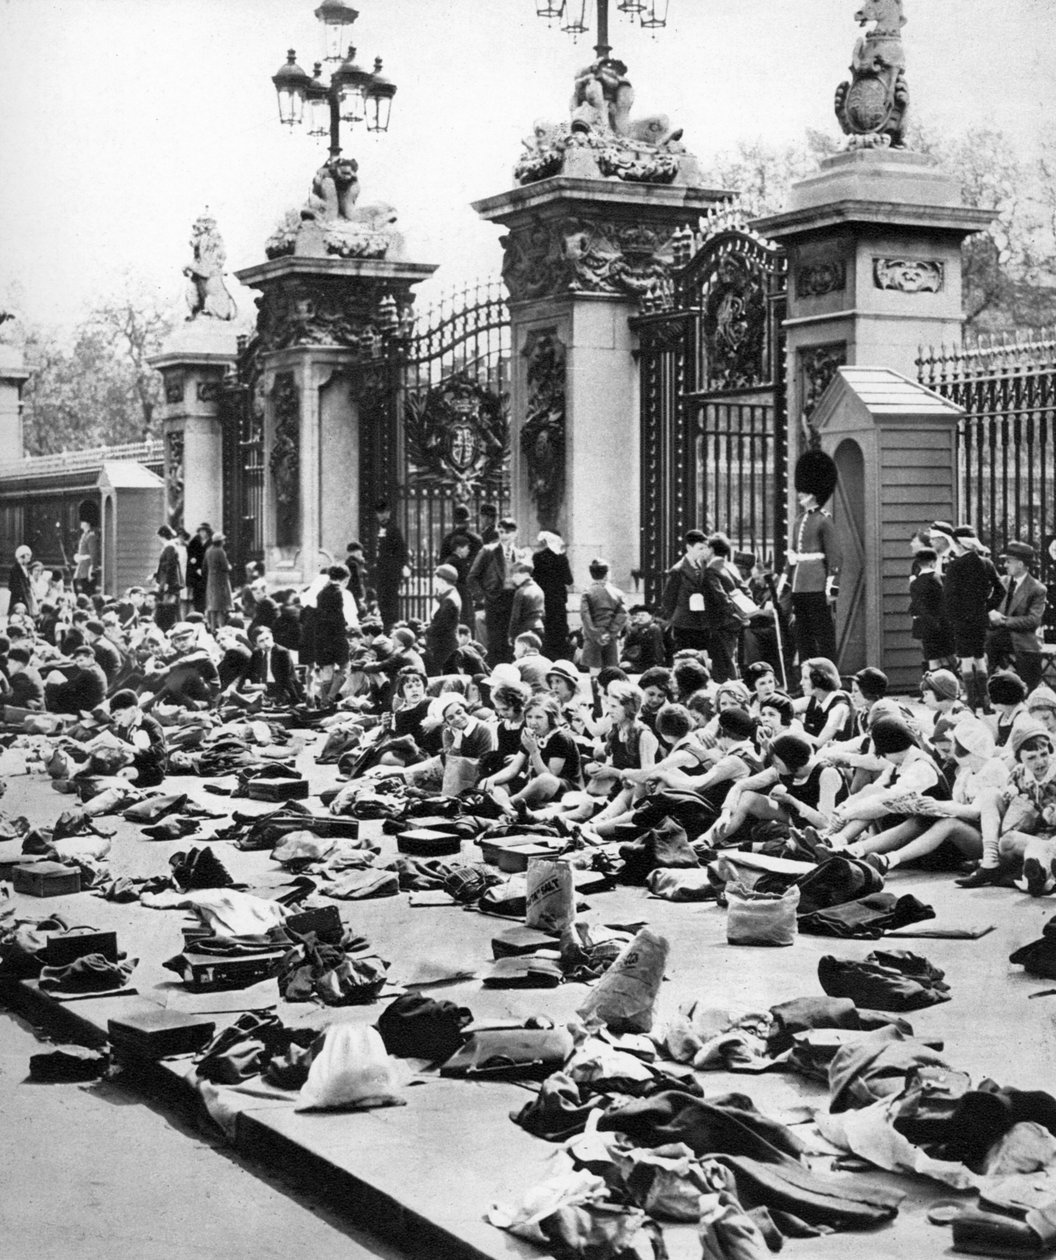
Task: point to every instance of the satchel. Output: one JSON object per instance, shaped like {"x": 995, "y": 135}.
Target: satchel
{"x": 757, "y": 918}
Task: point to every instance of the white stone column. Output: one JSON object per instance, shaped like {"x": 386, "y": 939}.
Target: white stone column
{"x": 13, "y": 376}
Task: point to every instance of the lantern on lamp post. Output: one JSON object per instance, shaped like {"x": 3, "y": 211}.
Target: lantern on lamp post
{"x": 353, "y": 95}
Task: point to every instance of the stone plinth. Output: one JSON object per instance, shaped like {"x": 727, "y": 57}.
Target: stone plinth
{"x": 874, "y": 266}
{"x": 579, "y": 256}
{"x": 895, "y": 445}
{"x": 13, "y": 376}
{"x": 325, "y": 328}
{"x": 193, "y": 362}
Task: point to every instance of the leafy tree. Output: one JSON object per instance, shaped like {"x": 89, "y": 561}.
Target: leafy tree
{"x": 95, "y": 389}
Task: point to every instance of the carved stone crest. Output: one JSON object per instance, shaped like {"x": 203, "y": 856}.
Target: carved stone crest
{"x": 174, "y": 386}
{"x": 543, "y": 434}
{"x": 458, "y": 435}
{"x": 817, "y": 279}
{"x": 817, "y": 367}
{"x": 575, "y": 255}
{"x": 909, "y": 275}
{"x": 872, "y": 106}
{"x": 284, "y": 462}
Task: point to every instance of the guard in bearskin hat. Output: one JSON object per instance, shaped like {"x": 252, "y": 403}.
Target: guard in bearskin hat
{"x": 814, "y": 559}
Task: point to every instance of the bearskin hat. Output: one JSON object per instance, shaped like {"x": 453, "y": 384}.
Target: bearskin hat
{"x": 816, "y": 474}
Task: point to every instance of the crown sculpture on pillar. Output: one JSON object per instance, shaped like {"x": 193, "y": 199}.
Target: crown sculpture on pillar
{"x": 207, "y": 295}
{"x": 873, "y": 106}
{"x": 602, "y": 139}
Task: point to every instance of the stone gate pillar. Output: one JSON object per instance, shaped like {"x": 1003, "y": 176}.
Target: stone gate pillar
{"x": 325, "y": 335}
{"x": 579, "y": 256}
{"x": 593, "y": 230}
{"x": 13, "y": 376}
{"x": 874, "y": 267}
{"x": 193, "y": 362}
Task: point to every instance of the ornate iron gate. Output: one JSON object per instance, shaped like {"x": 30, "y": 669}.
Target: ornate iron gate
{"x": 1007, "y": 439}
{"x": 714, "y": 443}
{"x": 454, "y": 440}
{"x": 242, "y": 427}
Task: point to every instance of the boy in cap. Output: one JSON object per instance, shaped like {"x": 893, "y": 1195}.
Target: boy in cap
{"x": 441, "y": 635}
{"x": 814, "y": 558}
{"x": 970, "y": 589}
{"x": 1014, "y": 623}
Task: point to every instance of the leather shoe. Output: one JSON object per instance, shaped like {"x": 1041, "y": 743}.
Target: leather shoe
{"x": 980, "y": 877}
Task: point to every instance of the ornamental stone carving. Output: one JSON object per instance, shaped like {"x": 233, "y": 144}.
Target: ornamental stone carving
{"x": 307, "y": 312}
{"x": 909, "y": 275}
{"x": 330, "y": 223}
{"x": 574, "y": 255}
{"x": 872, "y": 107}
{"x": 602, "y": 140}
{"x": 207, "y": 295}
{"x": 735, "y": 325}
{"x": 543, "y": 434}
{"x": 174, "y": 386}
{"x": 817, "y": 367}
{"x": 174, "y": 445}
{"x": 284, "y": 462}
{"x": 817, "y": 279}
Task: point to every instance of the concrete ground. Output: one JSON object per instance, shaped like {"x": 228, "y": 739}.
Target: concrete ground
{"x": 452, "y": 1151}
{"x": 97, "y": 1171}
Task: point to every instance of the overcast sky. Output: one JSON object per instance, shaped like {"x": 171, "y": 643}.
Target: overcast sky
{"x": 122, "y": 119}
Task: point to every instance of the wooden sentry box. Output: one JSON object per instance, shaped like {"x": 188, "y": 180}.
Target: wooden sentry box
{"x": 46, "y": 879}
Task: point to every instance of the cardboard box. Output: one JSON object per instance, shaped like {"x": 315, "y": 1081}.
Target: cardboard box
{"x": 46, "y": 879}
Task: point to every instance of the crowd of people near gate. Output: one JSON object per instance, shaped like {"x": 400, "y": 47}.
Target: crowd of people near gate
{"x": 720, "y": 707}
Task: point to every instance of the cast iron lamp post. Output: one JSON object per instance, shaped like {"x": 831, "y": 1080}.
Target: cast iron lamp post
{"x": 353, "y": 95}
{"x": 572, "y": 14}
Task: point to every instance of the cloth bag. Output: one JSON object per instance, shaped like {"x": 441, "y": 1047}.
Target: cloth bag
{"x": 351, "y": 1069}
{"x": 625, "y": 996}
{"x": 760, "y": 918}
{"x": 551, "y": 896}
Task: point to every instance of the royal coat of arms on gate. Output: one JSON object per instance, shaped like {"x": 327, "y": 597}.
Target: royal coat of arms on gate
{"x": 458, "y": 435}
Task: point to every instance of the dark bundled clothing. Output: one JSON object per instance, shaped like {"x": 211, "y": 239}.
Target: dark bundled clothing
{"x": 867, "y": 918}
{"x": 415, "y": 1026}
{"x": 887, "y": 980}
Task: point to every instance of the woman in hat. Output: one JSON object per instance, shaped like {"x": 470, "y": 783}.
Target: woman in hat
{"x": 217, "y": 582}
{"x": 554, "y": 576}
{"x": 441, "y": 635}
{"x": 970, "y": 588}
{"x": 955, "y": 833}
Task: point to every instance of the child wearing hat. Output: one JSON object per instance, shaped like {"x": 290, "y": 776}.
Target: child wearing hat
{"x": 797, "y": 789}
{"x": 956, "y": 833}
{"x": 441, "y": 635}
{"x": 1018, "y": 822}
{"x": 927, "y": 611}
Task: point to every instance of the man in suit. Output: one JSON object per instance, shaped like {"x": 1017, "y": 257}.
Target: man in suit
{"x": 271, "y": 670}
{"x": 23, "y": 686}
{"x": 491, "y": 584}
{"x": 390, "y": 565}
{"x": 1014, "y": 624}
